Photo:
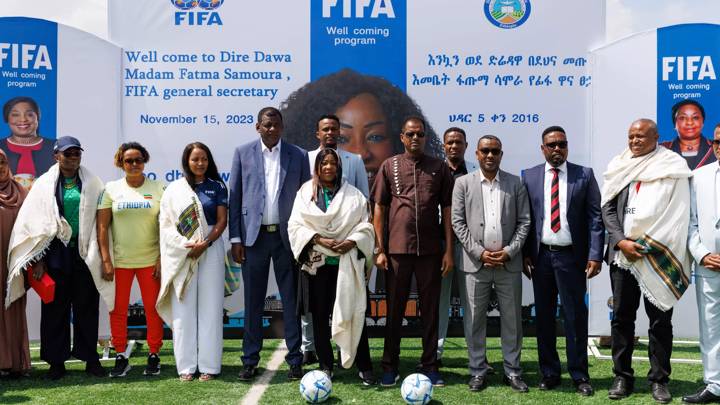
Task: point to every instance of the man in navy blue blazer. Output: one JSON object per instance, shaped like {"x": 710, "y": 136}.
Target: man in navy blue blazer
{"x": 563, "y": 249}
{"x": 266, "y": 175}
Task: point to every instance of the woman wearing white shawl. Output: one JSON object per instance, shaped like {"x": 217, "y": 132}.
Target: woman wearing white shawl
{"x": 55, "y": 232}
{"x": 331, "y": 237}
{"x": 193, "y": 215}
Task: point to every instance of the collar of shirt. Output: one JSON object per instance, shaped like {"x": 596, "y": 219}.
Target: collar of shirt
{"x": 459, "y": 169}
{"x": 495, "y": 180}
{"x": 561, "y": 169}
{"x": 407, "y": 155}
{"x": 274, "y": 149}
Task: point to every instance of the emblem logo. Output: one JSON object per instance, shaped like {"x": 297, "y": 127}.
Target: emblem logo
{"x": 507, "y": 14}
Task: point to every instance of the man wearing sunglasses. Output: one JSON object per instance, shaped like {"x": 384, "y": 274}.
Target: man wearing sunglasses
{"x": 491, "y": 219}
{"x": 563, "y": 249}
{"x": 407, "y": 192}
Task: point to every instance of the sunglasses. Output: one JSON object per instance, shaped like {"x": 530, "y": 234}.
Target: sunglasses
{"x": 487, "y": 151}
{"x": 136, "y": 161}
{"x": 558, "y": 144}
{"x": 414, "y": 134}
{"x": 72, "y": 153}
{"x": 716, "y": 142}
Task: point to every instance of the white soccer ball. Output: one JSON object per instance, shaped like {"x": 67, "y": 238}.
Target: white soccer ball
{"x": 315, "y": 387}
{"x": 416, "y": 389}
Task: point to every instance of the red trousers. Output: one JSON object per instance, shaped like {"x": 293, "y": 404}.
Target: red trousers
{"x": 149, "y": 289}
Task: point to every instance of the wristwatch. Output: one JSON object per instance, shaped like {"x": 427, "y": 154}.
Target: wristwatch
{"x": 378, "y": 250}
{"x": 209, "y": 242}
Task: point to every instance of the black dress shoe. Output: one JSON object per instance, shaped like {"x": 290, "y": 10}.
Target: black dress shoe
{"x": 476, "y": 383}
{"x": 548, "y": 383}
{"x": 660, "y": 393}
{"x": 295, "y": 372}
{"x": 702, "y": 397}
{"x": 516, "y": 383}
{"x": 584, "y": 388}
{"x": 620, "y": 388}
{"x": 94, "y": 368}
{"x": 248, "y": 372}
{"x": 56, "y": 372}
{"x": 309, "y": 357}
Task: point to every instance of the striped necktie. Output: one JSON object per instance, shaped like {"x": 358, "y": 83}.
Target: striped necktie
{"x": 555, "y": 201}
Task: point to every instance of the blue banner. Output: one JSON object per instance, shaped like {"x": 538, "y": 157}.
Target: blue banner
{"x": 28, "y": 67}
{"x": 686, "y": 60}
{"x": 368, "y": 36}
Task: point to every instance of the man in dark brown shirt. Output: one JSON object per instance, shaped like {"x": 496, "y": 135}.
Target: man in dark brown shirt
{"x": 407, "y": 192}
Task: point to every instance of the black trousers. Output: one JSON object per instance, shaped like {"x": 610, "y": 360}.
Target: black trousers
{"x": 626, "y": 301}
{"x": 557, "y": 273}
{"x": 76, "y": 300}
{"x": 398, "y": 279}
{"x": 322, "y": 299}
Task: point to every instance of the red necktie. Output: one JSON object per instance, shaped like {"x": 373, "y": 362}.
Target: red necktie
{"x": 555, "y": 201}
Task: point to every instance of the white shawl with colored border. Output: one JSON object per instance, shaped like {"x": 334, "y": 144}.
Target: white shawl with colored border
{"x": 660, "y": 222}
{"x": 345, "y": 219}
{"x": 177, "y": 267}
{"x": 39, "y": 222}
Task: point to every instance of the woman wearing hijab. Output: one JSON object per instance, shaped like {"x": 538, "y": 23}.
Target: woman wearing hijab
{"x": 331, "y": 237}
{"x": 14, "y": 347}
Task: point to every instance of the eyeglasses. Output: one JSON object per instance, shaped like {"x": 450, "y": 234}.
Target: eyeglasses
{"x": 136, "y": 161}
{"x": 494, "y": 151}
{"x": 558, "y": 144}
{"x": 414, "y": 134}
{"x": 72, "y": 153}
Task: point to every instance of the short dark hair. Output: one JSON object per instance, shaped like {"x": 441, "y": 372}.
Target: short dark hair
{"x": 491, "y": 137}
{"x": 17, "y": 100}
{"x": 126, "y": 147}
{"x": 210, "y": 173}
{"x": 676, "y": 108}
{"x": 455, "y": 129}
{"x": 414, "y": 118}
{"x": 553, "y": 128}
{"x": 269, "y": 112}
{"x": 328, "y": 117}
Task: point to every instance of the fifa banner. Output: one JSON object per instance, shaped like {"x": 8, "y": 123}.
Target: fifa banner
{"x": 645, "y": 75}
{"x": 69, "y": 82}
{"x": 201, "y": 70}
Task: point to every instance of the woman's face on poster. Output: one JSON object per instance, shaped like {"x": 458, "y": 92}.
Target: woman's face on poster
{"x": 23, "y": 120}
{"x": 689, "y": 122}
{"x": 364, "y": 131}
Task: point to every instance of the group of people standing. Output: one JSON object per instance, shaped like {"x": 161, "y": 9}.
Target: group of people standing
{"x": 323, "y": 227}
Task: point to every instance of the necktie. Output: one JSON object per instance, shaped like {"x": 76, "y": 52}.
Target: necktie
{"x": 555, "y": 201}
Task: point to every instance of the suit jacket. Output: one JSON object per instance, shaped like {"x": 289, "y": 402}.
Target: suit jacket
{"x": 353, "y": 169}
{"x": 583, "y": 212}
{"x": 703, "y": 217}
{"x": 247, "y": 189}
{"x": 468, "y": 218}
{"x": 613, "y": 214}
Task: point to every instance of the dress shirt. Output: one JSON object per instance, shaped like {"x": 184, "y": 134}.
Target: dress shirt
{"x": 717, "y": 209}
{"x": 271, "y": 161}
{"x": 561, "y": 237}
{"x": 492, "y": 237}
{"x": 631, "y": 207}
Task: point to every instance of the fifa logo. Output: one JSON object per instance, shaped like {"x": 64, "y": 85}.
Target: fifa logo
{"x": 205, "y": 16}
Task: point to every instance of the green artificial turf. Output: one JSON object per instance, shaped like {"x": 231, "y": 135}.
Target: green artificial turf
{"x": 685, "y": 379}
{"x": 78, "y": 388}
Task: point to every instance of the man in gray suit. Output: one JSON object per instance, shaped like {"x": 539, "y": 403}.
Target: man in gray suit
{"x": 491, "y": 219}
{"x": 266, "y": 175}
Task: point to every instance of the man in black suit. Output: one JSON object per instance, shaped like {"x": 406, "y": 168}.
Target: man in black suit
{"x": 563, "y": 249}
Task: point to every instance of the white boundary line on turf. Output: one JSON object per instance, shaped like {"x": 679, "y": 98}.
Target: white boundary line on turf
{"x": 592, "y": 349}
{"x": 263, "y": 382}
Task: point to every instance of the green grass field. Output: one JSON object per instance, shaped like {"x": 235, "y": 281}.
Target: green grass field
{"x": 77, "y": 388}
